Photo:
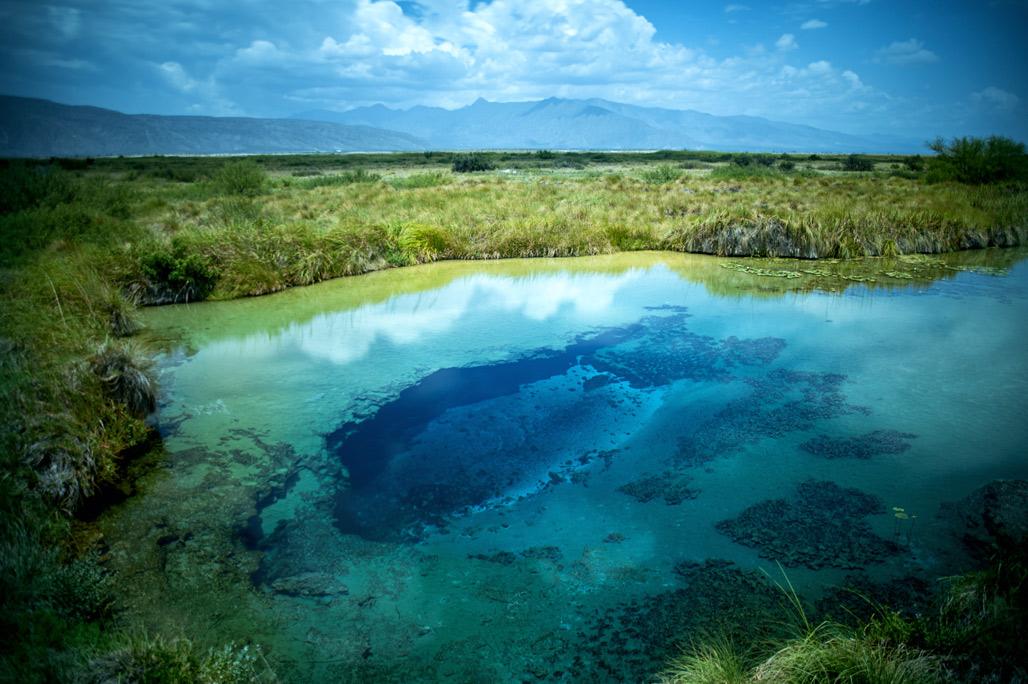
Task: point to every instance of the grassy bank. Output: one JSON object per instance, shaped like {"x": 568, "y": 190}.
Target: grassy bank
{"x": 85, "y": 243}
{"x": 969, "y": 633}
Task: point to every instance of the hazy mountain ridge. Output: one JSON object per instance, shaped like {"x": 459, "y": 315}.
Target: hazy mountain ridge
{"x": 41, "y": 128}
{"x": 600, "y": 124}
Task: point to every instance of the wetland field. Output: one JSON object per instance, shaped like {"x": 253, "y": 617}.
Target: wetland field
{"x": 513, "y": 417}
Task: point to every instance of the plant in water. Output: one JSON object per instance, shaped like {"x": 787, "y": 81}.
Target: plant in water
{"x": 157, "y": 660}
{"x": 903, "y": 520}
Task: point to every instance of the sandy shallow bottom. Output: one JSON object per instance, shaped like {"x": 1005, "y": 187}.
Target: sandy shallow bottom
{"x": 563, "y": 469}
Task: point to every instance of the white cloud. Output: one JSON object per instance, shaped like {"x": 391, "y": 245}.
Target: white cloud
{"x": 852, "y": 79}
{"x": 66, "y": 20}
{"x": 729, "y": 9}
{"x": 177, "y": 77}
{"x": 906, "y": 52}
{"x": 812, "y": 24}
{"x": 786, "y": 42}
{"x": 996, "y": 98}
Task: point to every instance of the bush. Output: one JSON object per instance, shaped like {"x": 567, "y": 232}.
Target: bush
{"x": 786, "y": 165}
{"x": 171, "y": 275}
{"x": 469, "y": 163}
{"x": 244, "y": 177}
{"x": 914, "y": 163}
{"x": 659, "y": 175}
{"x": 977, "y": 161}
{"x": 857, "y": 162}
{"x": 28, "y": 187}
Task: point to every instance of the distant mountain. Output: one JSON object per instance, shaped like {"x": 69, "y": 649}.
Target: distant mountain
{"x": 40, "y": 128}
{"x": 557, "y": 123}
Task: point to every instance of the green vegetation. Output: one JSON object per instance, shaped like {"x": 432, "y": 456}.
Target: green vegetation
{"x": 85, "y": 242}
{"x": 970, "y": 634}
{"x": 469, "y": 163}
{"x": 977, "y": 161}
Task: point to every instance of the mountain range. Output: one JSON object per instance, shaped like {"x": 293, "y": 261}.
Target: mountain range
{"x": 563, "y": 124}
{"x": 41, "y": 128}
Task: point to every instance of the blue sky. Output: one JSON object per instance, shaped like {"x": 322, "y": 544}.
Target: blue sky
{"x": 863, "y": 66}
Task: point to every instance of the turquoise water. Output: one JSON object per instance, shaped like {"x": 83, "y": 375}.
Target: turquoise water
{"x": 562, "y": 469}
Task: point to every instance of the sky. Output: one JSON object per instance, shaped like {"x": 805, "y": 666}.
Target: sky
{"x": 911, "y": 68}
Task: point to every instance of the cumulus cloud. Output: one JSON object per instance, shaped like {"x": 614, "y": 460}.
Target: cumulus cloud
{"x": 177, "y": 77}
{"x": 257, "y": 59}
{"x": 905, "y": 53}
{"x": 812, "y": 24}
{"x": 787, "y": 42}
{"x": 997, "y": 99}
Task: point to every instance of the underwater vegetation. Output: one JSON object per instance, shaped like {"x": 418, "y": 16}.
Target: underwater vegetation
{"x": 780, "y": 402}
{"x": 966, "y": 628}
{"x": 821, "y": 525}
{"x": 630, "y": 641}
{"x": 672, "y": 487}
{"x": 861, "y": 447}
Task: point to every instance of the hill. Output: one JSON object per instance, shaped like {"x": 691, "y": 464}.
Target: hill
{"x": 41, "y": 128}
{"x": 557, "y": 123}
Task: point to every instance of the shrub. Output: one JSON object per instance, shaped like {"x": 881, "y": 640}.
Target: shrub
{"x": 244, "y": 177}
{"x": 977, "y": 161}
{"x": 345, "y": 178}
{"x": 24, "y": 186}
{"x": 469, "y": 163}
{"x": 659, "y": 175}
{"x": 857, "y": 162}
{"x": 786, "y": 165}
{"x": 914, "y": 163}
{"x": 171, "y": 275}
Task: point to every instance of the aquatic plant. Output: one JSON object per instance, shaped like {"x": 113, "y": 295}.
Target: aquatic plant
{"x": 822, "y": 525}
{"x": 860, "y": 447}
{"x": 155, "y": 659}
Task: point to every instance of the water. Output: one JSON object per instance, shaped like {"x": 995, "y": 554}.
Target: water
{"x": 560, "y": 469}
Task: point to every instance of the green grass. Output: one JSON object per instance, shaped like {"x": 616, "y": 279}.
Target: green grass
{"x": 972, "y": 633}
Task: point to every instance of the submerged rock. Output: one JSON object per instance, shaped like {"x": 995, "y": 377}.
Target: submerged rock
{"x": 822, "y": 525}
